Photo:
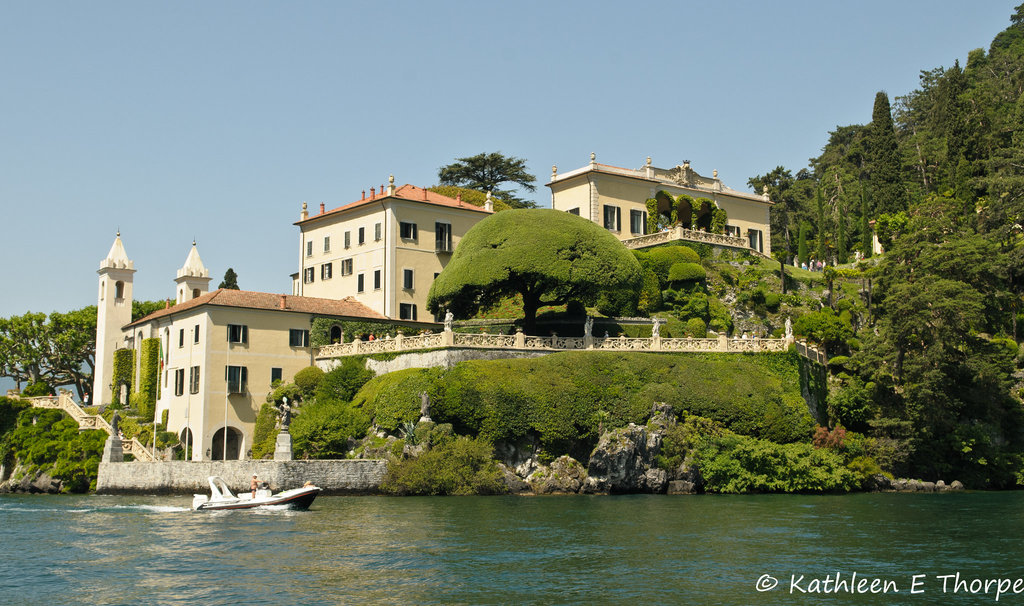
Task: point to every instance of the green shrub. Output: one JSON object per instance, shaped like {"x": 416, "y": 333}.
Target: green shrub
{"x": 39, "y": 388}
{"x": 696, "y": 328}
{"x": 264, "y": 434}
{"x": 342, "y": 383}
{"x": 321, "y": 429}
{"x": 50, "y": 440}
{"x": 308, "y": 379}
{"x": 686, "y": 272}
{"x": 123, "y": 372}
{"x": 771, "y": 302}
{"x": 395, "y": 398}
{"x": 661, "y": 259}
{"x": 462, "y": 466}
{"x": 823, "y": 326}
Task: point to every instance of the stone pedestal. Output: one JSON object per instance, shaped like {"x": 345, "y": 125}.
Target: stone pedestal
{"x": 113, "y": 451}
{"x": 283, "y": 450}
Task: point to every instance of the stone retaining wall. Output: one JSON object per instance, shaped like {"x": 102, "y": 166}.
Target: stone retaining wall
{"x": 335, "y": 477}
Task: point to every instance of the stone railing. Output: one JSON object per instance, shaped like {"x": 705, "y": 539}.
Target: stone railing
{"x": 87, "y": 421}
{"x": 811, "y": 352}
{"x": 519, "y": 341}
{"x": 679, "y": 233}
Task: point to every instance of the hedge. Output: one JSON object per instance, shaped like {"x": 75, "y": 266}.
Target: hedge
{"x": 686, "y": 272}
{"x": 123, "y": 373}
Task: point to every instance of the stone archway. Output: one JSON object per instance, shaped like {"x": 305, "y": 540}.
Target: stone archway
{"x": 187, "y": 442}
{"x": 234, "y": 445}
{"x": 335, "y": 334}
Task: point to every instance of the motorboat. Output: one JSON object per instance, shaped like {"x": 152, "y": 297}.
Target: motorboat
{"x": 222, "y": 498}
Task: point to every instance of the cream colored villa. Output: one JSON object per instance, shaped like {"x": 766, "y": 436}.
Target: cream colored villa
{"x": 384, "y": 250}
{"x": 615, "y": 198}
{"x": 219, "y": 351}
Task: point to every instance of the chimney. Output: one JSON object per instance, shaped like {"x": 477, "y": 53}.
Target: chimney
{"x": 284, "y": 302}
{"x": 458, "y": 197}
{"x": 321, "y": 208}
{"x": 424, "y": 194}
{"x": 373, "y": 193}
{"x": 167, "y": 303}
{"x": 364, "y": 195}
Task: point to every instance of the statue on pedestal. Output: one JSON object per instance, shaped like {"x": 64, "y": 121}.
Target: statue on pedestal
{"x": 449, "y": 318}
{"x": 789, "y": 328}
{"x": 588, "y": 327}
{"x": 286, "y": 414}
{"x": 656, "y": 329}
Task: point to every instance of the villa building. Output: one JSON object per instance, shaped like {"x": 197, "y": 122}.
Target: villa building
{"x": 219, "y": 352}
{"x": 383, "y": 250}
{"x": 616, "y": 198}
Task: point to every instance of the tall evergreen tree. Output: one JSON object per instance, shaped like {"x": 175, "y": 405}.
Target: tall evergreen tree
{"x": 841, "y": 256}
{"x": 865, "y": 225}
{"x": 802, "y": 253}
{"x": 883, "y": 161}
{"x": 230, "y": 280}
{"x": 820, "y": 201}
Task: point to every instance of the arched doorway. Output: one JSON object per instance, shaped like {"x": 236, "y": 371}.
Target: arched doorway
{"x": 234, "y": 445}
{"x": 187, "y": 442}
{"x": 335, "y": 334}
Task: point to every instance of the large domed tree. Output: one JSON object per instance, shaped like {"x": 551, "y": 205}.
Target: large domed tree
{"x": 547, "y": 256}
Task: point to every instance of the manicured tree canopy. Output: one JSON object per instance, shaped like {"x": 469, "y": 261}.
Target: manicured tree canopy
{"x": 547, "y": 256}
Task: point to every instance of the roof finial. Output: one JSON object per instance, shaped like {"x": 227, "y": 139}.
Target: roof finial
{"x": 193, "y": 241}
{"x": 592, "y": 157}
{"x": 648, "y": 160}
{"x": 554, "y": 170}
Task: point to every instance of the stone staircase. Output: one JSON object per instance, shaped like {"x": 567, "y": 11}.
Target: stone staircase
{"x": 87, "y": 421}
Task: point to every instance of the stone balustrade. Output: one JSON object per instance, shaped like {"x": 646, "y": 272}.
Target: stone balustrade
{"x": 87, "y": 421}
{"x": 519, "y": 341}
{"x": 693, "y": 235}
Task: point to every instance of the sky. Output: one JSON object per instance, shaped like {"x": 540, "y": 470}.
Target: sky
{"x": 214, "y": 121}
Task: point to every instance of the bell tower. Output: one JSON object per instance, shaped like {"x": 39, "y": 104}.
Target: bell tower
{"x": 193, "y": 278}
{"x": 113, "y": 311}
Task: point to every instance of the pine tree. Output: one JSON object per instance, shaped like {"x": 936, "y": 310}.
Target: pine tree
{"x": 230, "y": 280}
{"x": 883, "y": 162}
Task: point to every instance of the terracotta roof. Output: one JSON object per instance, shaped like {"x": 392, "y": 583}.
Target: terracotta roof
{"x": 248, "y": 299}
{"x": 405, "y": 192}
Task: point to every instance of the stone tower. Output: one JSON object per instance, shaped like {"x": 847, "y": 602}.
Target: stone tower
{"x": 193, "y": 278}
{"x": 113, "y": 311}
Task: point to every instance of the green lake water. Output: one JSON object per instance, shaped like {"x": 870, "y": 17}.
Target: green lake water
{"x": 514, "y": 550}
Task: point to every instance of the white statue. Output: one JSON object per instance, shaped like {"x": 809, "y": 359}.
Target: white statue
{"x": 656, "y": 329}
{"x": 588, "y": 326}
{"x": 789, "y": 328}
{"x": 449, "y": 318}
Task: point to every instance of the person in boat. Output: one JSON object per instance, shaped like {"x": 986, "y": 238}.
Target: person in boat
{"x": 254, "y": 485}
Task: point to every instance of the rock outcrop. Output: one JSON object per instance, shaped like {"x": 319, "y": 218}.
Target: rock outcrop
{"x": 34, "y": 483}
{"x": 565, "y": 475}
{"x": 623, "y": 461}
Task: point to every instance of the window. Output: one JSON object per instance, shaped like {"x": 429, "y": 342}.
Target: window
{"x": 181, "y": 337}
{"x": 238, "y": 333}
{"x": 193, "y": 379}
{"x": 376, "y": 232}
{"x": 348, "y": 239}
{"x": 732, "y": 230}
{"x": 637, "y": 221}
{"x": 275, "y": 375}
{"x": 327, "y": 244}
{"x": 574, "y": 211}
{"x": 195, "y": 293}
{"x": 119, "y": 290}
{"x": 307, "y": 275}
{"x": 309, "y": 248}
{"x": 407, "y": 279}
{"x": 237, "y": 378}
{"x": 407, "y": 230}
{"x": 179, "y": 381}
{"x": 443, "y": 237}
{"x": 298, "y": 337}
{"x": 376, "y": 279}
{"x": 195, "y": 337}
{"x": 406, "y": 311}
{"x": 325, "y": 271}
{"x": 346, "y": 267}
{"x": 362, "y": 235}
{"x": 756, "y": 240}
{"x": 612, "y": 218}
{"x": 360, "y": 283}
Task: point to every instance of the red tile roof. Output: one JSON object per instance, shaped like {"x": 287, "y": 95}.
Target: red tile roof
{"x": 248, "y": 299}
{"x": 405, "y": 192}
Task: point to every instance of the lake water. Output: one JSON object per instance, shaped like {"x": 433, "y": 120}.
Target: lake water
{"x": 483, "y": 550}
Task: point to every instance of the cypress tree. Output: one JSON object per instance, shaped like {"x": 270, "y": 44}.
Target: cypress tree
{"x": 820, "y": 249}
{"x": 841, "y": 256}
{"x": 882, "y": 157}
{"x": 230, "y": 280}
{"x": 802, "y": 253}
{"x": 865, "y": 225}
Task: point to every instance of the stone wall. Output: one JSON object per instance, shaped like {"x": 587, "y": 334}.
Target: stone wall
{"x": 335, "y": 477}
{"x": 431, "y": 359}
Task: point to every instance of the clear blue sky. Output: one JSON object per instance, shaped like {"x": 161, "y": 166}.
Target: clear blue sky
{"x": 216, "y": 120}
